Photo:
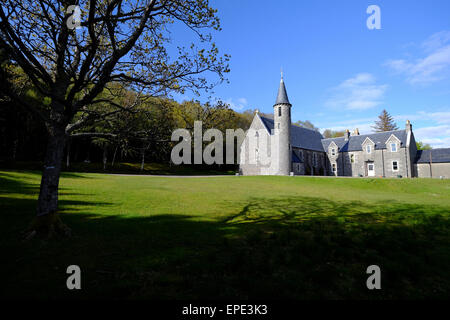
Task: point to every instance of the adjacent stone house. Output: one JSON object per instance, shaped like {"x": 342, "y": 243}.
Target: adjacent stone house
{"x": 433, "y": 163}
{"x": 276, "y": 147}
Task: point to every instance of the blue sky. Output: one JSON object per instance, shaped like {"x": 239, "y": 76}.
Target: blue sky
{"x": 338, "y": 73}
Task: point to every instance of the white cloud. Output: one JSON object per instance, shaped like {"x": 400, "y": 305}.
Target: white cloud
{"x": 438, "y": 117}
{"x": 238, "y": 105}
{"x": 433, "y": 67}
{"x": 364, "y": 127}
{"x": 358, "y": 93}
{"x": 436, "y": 136}
{"x": 436, "y": 41}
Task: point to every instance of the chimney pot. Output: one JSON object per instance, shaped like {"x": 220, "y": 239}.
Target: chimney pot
{"x": 408, "y": 126}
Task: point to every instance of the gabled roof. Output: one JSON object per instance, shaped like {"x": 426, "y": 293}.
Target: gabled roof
{"x": 436, "y": 155}
{"x": 392, "y": 135}
{"x": 334, "y": 144}
{"x": 282, "y": 97}
{"x": 354, "y": 143}
{"x": 303, "y": 138}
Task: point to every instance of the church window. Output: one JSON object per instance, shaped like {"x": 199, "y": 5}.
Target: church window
{"x": 352, "y": 158}
{"x": 333, "y": 151}
{"x": 369, "y": 148}
{"x": 334, "y": 167}
{"x": 279, "y": 111}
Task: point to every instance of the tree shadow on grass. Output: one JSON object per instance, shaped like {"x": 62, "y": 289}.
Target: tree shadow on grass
{"x": 289, "y": 248}
{"x": 10, "y": 184}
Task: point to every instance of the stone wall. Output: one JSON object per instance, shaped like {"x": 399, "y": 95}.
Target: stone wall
{"x": 434, "y": 170}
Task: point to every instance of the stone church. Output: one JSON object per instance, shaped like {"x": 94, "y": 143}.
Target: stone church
{"x": 276, "y": 147}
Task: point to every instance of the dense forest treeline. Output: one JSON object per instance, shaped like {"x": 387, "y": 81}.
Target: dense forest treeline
{"x": 142, "y": 135}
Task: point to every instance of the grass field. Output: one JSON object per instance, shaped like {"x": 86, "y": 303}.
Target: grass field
{"x": 141, "y": 237}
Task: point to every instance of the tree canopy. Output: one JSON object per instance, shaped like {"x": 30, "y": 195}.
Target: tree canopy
{"x": 385, "y": 122}
{"x": 423, "y": 146}
{"x": 80, "y": 66}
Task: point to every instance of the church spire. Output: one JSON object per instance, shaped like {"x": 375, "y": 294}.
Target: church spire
{"x": 282, "y": 97}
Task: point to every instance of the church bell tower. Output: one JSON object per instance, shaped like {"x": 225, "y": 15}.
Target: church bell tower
{"x": 282, "y": 130}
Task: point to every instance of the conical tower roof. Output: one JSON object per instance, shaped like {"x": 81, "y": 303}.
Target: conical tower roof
{"x": 282, "y": 97}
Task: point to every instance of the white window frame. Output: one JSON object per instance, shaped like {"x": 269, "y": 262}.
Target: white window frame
{"x": 369, "y": 149}
{"x": 398, "y": 166}
{"x": 393, "y": 144}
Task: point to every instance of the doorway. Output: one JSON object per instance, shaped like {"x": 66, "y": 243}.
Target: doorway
{"x": 370, "y": 169}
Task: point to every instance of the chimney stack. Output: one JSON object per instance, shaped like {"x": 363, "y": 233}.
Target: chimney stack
{"x": 356, "y": 132}
{"x": 408, "y": 126}
{"x": 346, "y": 135}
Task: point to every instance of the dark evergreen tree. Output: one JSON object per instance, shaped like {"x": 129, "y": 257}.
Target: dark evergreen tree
{"x": 385, "y": 122}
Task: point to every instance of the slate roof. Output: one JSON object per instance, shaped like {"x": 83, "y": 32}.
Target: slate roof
{"x": 310, "y": 139}
{"x": 282, "y": 97}
{"x": 300, "y": 137}
{"x": 355, "y": 142}
{"x": 437, "y": 155}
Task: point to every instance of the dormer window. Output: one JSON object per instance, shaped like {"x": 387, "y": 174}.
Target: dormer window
{"x": 393, "y": 147}
{"x": 333, "y": 151}
{"x": 369, "y": 148}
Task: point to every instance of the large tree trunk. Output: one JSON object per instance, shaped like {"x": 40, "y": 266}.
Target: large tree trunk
{"x": 47, "y": 222}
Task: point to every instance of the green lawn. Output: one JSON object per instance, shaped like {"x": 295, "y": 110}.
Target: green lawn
{"x": 230, "y": 237}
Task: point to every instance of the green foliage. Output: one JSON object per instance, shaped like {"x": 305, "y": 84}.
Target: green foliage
{"x": 305, "y": 124}
{"x": 328, "y": 133}
{"x": 421, "y": 146}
